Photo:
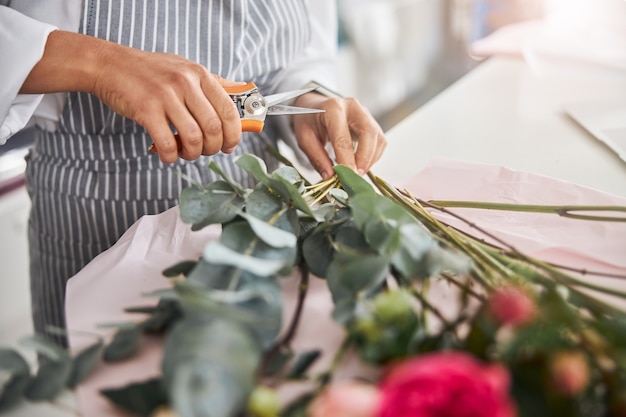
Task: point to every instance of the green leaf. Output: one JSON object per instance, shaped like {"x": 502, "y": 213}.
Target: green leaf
{"x": 50, "y": 380}
{"x": 216, "y": 168}
{"x": 318, "y": 252}
{"x": 217, "y": 203}
{"x": 181, "y": 268}
{"x": 352, "y": 182}
{"x": 45, "y": 347}
{"x": 200, "y": 302}
{"x": 291, "y": 194}
{"x": 299, "y": 407}
{"x": 303, "y": 363}
{"x": 374, "y": 208}
{"x": 277, "y": 361}
{"x": 289, "y": 174}
{"x": 83, "y": 364}
{"x": 254, "y": 165}
{"x": 141, "y": 398}
{"x": 269, "y": 234}
{"x": 12, "y": 391}
{"x": 219, "y": 254}
{"x": 263, "y": 204}
{"x": 352, "y": 272}
{"x": 339, "y": 195}
{"x": 240, "y": 237}
{"x": 12, "y": 362}
{"x": 163, "y": 316}
{"x": 124, "y": 344}
{"x": 209, "y": 367}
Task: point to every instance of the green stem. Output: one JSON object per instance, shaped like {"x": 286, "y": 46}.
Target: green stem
{"x": 563, "y": 211}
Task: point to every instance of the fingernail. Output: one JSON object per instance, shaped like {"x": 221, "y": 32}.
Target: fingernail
{"x": 229, "y": 150}
{"x": 361, "y": 171}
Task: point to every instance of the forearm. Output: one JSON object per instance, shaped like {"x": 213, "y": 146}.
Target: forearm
{"x": 71, "y": 62}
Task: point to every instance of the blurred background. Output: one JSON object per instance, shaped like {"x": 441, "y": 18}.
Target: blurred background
{"x": 395, "y": 55}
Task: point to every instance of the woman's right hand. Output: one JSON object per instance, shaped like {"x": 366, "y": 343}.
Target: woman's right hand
{"x": 156, "y": 90}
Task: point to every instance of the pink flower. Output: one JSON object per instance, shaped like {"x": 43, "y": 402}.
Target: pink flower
{"x": 346, "y": 399}
{"x": 569, "y": 372}
{"x": 446, "y": 384}
{"x": 511, "y": 306}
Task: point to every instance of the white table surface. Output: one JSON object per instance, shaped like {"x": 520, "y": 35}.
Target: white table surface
{"x": 502, "y": 114}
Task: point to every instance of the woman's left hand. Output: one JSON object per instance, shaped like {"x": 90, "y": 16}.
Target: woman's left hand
{"x": 357, "y": 139}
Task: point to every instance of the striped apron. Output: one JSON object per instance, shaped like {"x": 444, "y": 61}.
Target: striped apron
{"x": 92, "y": 178}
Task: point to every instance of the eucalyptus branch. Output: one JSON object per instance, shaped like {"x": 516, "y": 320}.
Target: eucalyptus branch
{"x": 295, "y": 321}
{"x": 449, "y": 278}
{"x": 427, "y": 305}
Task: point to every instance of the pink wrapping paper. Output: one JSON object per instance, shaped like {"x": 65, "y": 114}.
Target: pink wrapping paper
{"x": 120, "y": 277}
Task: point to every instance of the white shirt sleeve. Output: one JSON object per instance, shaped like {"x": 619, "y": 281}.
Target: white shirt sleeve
{"x": 319, "y": 59}
{"x": 22, "y": 42}
{"x": 316, "y": 64}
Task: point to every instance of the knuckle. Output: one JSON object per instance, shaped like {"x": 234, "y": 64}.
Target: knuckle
{"x": 335, "y": 105}
{"x": 168, "y": 147}
{"x": 343, "y": 142}
{"x": 212, "y": 127}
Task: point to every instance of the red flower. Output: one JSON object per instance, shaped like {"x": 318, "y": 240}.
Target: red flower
{"x": 446, "y": 384}
{"x": 511, "y": 306}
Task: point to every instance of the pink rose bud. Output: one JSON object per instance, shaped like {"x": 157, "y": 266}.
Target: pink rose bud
{"x": 346, "y": 399}
{"x": 511, "y": 306}
{"x": 569, "y": 372}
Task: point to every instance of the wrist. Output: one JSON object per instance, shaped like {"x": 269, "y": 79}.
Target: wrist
{"x": 70, "y": 62}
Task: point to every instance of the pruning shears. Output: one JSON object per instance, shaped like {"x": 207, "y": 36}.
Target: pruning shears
{"x": 253, "y": 107}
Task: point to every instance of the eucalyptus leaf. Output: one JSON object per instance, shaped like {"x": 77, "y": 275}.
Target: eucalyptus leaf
{"x": 291, "y": 194}
{"x": 262, "y": 203}
{"x": 265, "y": 205}
{"x": 240, "y": 237}
{"x": 340, "y": 195}
{"x": 12, "y": 362}
{"x": 83, "y": 363}
{"x": 12, "y": 391}
{"x": 269, "y": 234}
{"x": 181, "y": 268}
{"x": 45, "y": 347}
{"x": 209, "y": 367}
{"x": 290, "y": 174}
{"x": 318, "y": 252}
{"x": 216, "y": 168}
{"x": 141, "y": 398}
{"x": 124, "y": 344}
{"x": 219, "y": 254}
{"x": 254, "y": 165}
{"x": 352, "y": 182}
{"x": 200, "y": 303}
{"x": 351, "y": 273}
{"x": 210, "y": 275}
{"x": 166, "y": 313}
{"x": 303, "y": 363}
{"x": 299, "y": 407}
{"x": 50, "y": 380}
{"x": 217, "y": 203}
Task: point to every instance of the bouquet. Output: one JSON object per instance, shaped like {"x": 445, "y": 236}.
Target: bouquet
{"x": 525, "y": 337}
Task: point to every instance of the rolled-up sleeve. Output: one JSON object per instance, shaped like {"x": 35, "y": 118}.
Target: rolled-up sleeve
{"x": 22, "y": 42}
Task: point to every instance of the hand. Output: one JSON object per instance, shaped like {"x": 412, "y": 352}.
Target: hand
{"x": 158, "y": 90}
{"x": 357, "y": 139}
{"x": 154, "y": 89}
